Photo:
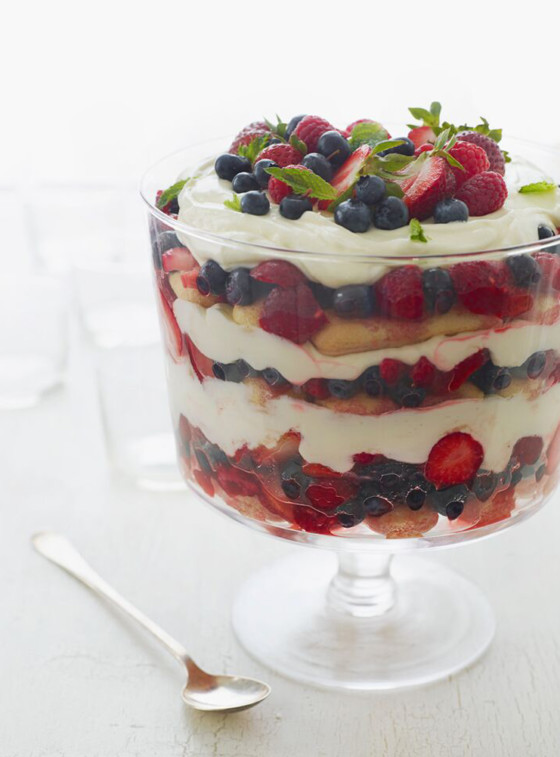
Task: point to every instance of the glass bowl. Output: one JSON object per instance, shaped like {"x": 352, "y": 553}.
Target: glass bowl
{"x": 307, "y": 406}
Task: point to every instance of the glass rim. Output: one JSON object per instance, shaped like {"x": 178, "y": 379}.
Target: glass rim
{"x": 539, "y": 245}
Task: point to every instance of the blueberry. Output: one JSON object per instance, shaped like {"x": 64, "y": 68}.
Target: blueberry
{"x": 334, "y": 146}
{"x": 235, "y": 372}
{"x": 406, "y": 395}
{"x": 341, "y": 388}
{"x": 215, "y": 455}
{"x": 255, "y": 203}
{"x": 416, "y": 498}
{"x": 354, "y": 301}
{"x": 261, "y": 175}
{"x": 484, "y": 484}
{"x": 370, "y": 189}
{"x": 377, "y": 506}
{"x": 227, "y": 165}
{"x": 524, "y": 269}
{"x": 516, "y": 477}
{"x": 167, "y": 240}
{"x": 323, "y": 294}
{"x": 407, "y": 148}
{"x": 540, "y": 473}
{"x": 244, "y": 182}
{"x": 372, "y": 382}
{"x": 173, "y": 206}
{"x": 449, "y": 210}
{"x": 318, "y": 164}
{"x": 545, "y": 232}
{"x": 439, "y": 292}
{"x": 294, "y": 206}
{"x": 353, "y": 215}
{"x": 293, "y": 122}
{"x": 450, "y": 501}
{"x": 239, "y": 287}
{"x": 211, "y": 278}
{"x": 391, "y": 213}
{"x": 490, "y": 378}
{"x": 351, "y": 513}
{"x": 293, "y": 480}
{"x": 535, "y": 364}
{"x": 273, "y": 377}
{"x": 203, "y": 461}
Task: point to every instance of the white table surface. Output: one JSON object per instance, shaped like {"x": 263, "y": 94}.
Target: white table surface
{"x": 78, "y": 680}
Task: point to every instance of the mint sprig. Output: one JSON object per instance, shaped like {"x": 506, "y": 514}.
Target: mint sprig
{"x": 296, "y": 142}
{"x": 367, "y": 133}
{"x": 234, "y": 204}
{"x": 537, "y": 186}
{"x": 255, "y": 146}
{"x": 416, "y": 231}
{"x": 444, "y": 142}
{"x": 278, "y": 129}
{"x": 171, "y": 193}
{"x": 304, "y": 182}
{"x": 428, "y": 117}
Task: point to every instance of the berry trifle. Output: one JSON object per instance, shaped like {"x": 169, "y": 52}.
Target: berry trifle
{"x": 363, "y": 328}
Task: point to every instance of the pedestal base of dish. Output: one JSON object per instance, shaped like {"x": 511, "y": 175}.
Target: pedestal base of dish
{"x": 364, "y": 627}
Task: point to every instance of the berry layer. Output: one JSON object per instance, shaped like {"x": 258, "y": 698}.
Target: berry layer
{"x": 201, "y": 205}
{"x": 230, "y": 415}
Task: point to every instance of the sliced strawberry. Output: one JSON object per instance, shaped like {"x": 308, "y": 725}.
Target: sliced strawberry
{"x": 278, "y": 272}
{"x": 454, "y": 459}
{"x": 316, "y": 470}
{"x": 201, "y": 364}
{"x": 498, "y": 508}
{"x": 348, "y": 173}
{"x": 173, "y": 336}
{"x": 367, "y": 458}
{"x": 293, "y": 314}
{"x": 423, "y": 372}
{"x": 528, "y": 449}
{"x": 400, "y": 293}
{"x": 432, "y": 183}
{"x": 422, "y": 135}
{"x": 204, "y": 481}
{"x": 178, "y": 259}
{"x": 235, "y": 482}
{"x": 185, "y": 432}
{"x": 188, "y": 279}
{"x": 317, "y": 388}
{"x": 466, "y": 368}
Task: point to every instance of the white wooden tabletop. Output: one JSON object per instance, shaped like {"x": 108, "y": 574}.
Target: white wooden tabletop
{"x": 79, "y": 680}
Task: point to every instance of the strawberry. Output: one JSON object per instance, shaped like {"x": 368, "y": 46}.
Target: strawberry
{"x": 424, "y": 190}
{"x": 491, "y": 148}
{"x": 423, "y": 148}
{"x": 473, "y": 159}
{"x": 316, "y": 388}
{"x": 454, "y": 459}
{"x": 184, "y": 429}
{"x": 347, "y": 174}
{"x": 204, "y": 481}
{"x": 422, "y": 135}
{"x": 323, "y": 497}
{"x": 248, "y": 133}
{"x": 293, "y": 314}
{"x": 466, "y": 368}
{"x": 235, "y": 482}
{"x": 400, "y": 293}
{"x": 527, "y": 450}
{"x": 283, "y": 155}
{"x": 309, "y": 519}
{"x": 348, "y": 130}
{"x": 391, "y": 370}
{"x": 201, "y": 364}
{"x": 278, "y": 272}
{"x": 423, "y": 372}
{"x": 310, "y": 129}
{"x": 172, "y": 332}
{"x": 278, "y": 189}
{"x": 481, "y": 286}
{"x": 178, "y": 259}
{"x": 498, "y": 508}
{"x": 367, "y": 458}
{"x": 316, "y": 470}
{"x": 483, "y": 193}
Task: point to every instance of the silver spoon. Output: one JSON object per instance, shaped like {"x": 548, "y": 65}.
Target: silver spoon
{"x": 202, "y": 691}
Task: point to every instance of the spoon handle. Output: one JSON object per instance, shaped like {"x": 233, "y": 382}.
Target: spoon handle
{"x": 58, "y": 550}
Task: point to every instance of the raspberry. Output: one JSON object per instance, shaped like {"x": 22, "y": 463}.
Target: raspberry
{"x": 323, "y": 497}
{"x": 400, "y": 293}
{"x": 278, "y": 272}
{"x": 466, "y": 368}
{"x": 454, "y": 459}
{"x": 484, "y": 193}
{"x": 527, "y": 450}
{"x": 310, "y": 129}
{"x": 278, "y": 189}
{"x": 481, "y": 287}
{"x": 316, "y": 388}
{"x": 391, "y": 370}
{"x": 293, "y": 314}
{"x": 248, "y": 133}
{"x": 423, "y": 373}
{"x": 282, "y": 155}
{"x": 491, "y": 148}
{"x": 309, "y": 519}
{"x": 473, "y": 159}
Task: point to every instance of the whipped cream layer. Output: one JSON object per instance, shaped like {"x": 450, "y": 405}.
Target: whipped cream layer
{"x": 220, "y": 338}
{"x": 202, "y": 207}
{"x": 227, "y": 416}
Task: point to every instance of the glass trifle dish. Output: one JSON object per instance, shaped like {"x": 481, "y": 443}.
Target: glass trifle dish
{"x": 362, "y": 339}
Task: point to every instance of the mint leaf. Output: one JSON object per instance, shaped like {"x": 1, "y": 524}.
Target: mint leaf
{"x": 254, "y": 147}
{"x": 304, "y": 182}
{"x": 346, "y": 195}
{"x": 169, "y": 194}
{"x": 386, "y": 166}
{"x": 538, "y": 186}
{"x": 367, "y": 133}
{"x": 428, "y": 117}
{"x": 296, "y": 142}
{"x": 234, "y": 204}
{"x": 387, "y": 144}
{"x": 278, "y": 129}
{"x": 392, "y": 189}
{"x": 416, "y": 231}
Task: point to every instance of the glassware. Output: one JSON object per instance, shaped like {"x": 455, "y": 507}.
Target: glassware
{"x": 33, "y": 339}
{"x": 367, "y": 436}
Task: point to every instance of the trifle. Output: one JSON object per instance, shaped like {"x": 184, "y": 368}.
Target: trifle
{"x": 363, "y": 328}
{"x": 362, "y": 331}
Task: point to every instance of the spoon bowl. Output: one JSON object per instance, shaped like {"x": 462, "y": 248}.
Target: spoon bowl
{"x": 222, "y": 693}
